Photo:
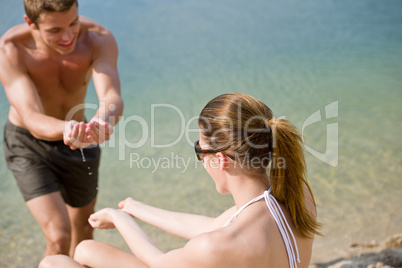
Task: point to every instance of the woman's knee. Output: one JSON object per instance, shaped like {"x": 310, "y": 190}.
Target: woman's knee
{"x": 58, "y": 261}
{"x": 52, "y": 261}
{"x": 46, "y": 262}
{"x": 84, "y": 251}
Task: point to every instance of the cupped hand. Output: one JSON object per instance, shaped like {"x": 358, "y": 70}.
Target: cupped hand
{"x": 75, "y": 135}
{"x": 98, "y": 131}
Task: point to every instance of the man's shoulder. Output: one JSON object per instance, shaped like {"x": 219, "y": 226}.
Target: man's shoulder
{"x": 93, "y": 31}
{"x": 97, "y": 36}
{"x": 12, "y": 45}
{"x": 15, "y": 36}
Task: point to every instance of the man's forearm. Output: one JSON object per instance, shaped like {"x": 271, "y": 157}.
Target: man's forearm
{"x": 44, "y": 127}
{"x": 109, "y": 110}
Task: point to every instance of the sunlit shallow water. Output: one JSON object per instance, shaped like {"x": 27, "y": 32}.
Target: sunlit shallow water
{"x": 336, "y": 61}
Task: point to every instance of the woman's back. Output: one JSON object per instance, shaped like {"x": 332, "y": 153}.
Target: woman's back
{"x": 253, "y": 239}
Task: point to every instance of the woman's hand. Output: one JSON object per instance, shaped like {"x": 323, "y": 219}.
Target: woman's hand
{"x": 128, "y": 205}
{"x": 103, "y": 219}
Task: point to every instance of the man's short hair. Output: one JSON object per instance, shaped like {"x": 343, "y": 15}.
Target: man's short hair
{"x": 33, "y": 8}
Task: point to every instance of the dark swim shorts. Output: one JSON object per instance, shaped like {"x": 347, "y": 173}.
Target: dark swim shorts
{"x": 42, "y": 167}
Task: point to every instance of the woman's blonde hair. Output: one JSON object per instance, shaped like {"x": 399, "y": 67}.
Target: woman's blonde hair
{"x": 242, "y": 126}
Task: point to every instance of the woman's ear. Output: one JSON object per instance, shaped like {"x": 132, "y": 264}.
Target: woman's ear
{"x": 223, "y": 160}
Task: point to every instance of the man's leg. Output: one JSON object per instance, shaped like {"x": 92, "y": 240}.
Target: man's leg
{"x": 81, "y": 229}
{"x": 50, "y": 212}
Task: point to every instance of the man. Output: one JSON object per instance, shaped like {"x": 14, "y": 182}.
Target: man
{"x": 45, "y": 67}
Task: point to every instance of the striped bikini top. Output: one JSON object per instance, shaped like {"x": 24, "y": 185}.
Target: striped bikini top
{"x": 280, "y": 220}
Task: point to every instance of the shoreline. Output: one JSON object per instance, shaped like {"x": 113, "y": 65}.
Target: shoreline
{"x": 387, "y": 254}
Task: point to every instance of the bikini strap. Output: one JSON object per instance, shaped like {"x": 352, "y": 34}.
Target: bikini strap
{"x": 284, "y": 228}
{"x": 242, "y": 208}
{"x": 280, "y": 220}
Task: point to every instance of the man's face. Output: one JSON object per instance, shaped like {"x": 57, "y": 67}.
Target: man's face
{"x": 59, "y": 30}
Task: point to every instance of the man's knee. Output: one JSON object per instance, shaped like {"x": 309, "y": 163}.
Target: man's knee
{"x": 59, "y": 241}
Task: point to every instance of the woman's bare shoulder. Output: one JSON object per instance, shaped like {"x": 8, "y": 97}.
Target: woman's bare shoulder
{"x": 205, "y": 250}
{"x": 214, "y": 247}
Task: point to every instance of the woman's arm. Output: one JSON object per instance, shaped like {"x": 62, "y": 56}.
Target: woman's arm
{"x": 137, "y": 240}
{"x": 203, "y": 251}
{"x": 180, "y": 224}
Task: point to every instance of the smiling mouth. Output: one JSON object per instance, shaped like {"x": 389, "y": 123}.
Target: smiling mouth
{"x": 67, "y": 45}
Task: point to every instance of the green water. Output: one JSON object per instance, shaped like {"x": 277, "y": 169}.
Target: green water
{"x": 297, "y": 57}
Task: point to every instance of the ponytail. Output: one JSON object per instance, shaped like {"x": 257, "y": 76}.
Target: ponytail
{"x": 288, "y": 182}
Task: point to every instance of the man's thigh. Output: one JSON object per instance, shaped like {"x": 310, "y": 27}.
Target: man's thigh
{"x": 27, "y": 158}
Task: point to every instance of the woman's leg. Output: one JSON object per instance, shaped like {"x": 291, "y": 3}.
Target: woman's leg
{"x": 96, "y": 254}
{"x": 59, "y": 261}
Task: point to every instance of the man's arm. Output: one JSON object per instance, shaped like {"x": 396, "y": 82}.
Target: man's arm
{"x": 23, "y": 96}
{"x": 107, "y": 85}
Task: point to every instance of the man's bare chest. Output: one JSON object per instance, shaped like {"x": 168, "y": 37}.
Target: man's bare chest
{"x": 67, "y": 73}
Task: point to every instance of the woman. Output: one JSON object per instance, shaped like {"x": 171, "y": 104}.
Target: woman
{"x": 249, "y": 154}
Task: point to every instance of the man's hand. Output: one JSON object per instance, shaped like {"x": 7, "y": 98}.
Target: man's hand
{"x": 98, "y": 131}
{"x": 79, "y": 135}
{"x": 75, "y": 135}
